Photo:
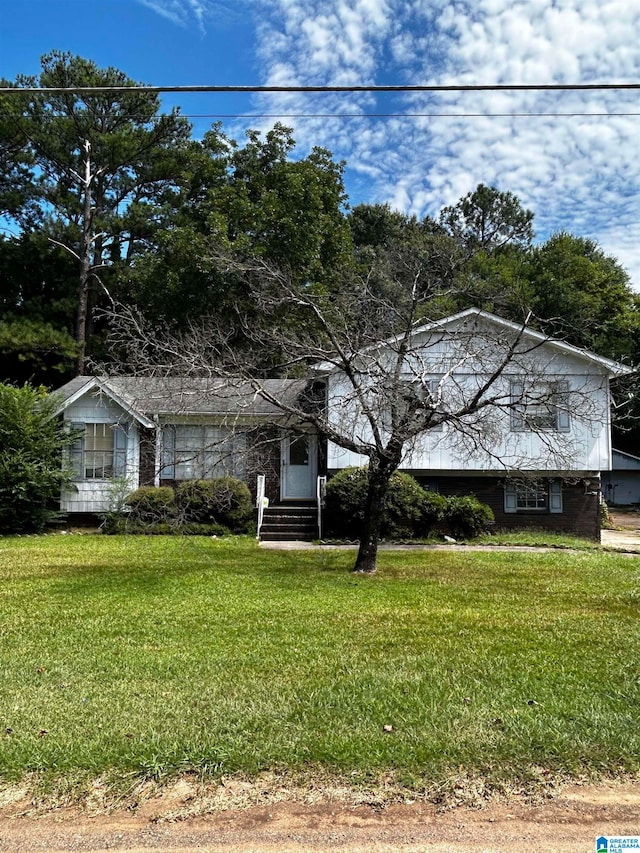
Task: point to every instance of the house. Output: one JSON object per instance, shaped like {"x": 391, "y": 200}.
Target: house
{"x": 621, "y": 485}
{"x": 517, "y": 419}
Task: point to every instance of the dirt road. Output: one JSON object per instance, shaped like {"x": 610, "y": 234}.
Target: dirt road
{"x": 568, "y": 823}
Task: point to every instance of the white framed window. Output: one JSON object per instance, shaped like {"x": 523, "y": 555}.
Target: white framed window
{"x": 539, "y": 406}
{"x": 201, "y": 452}
{"x": 99, "y": 452}
{"x": 523, "y": 495}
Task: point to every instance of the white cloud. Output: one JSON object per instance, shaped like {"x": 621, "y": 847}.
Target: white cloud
{"x": 172, "y": 10}
{"x": 577, "y": 173}
{"x": 185, "y": 13}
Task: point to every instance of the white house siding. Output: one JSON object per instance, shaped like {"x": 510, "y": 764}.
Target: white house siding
{"x": 96, "y": 496}
{"x": 584, "y": 447}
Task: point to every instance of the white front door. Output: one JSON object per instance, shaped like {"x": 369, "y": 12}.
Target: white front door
{"x": 299, "y": 466}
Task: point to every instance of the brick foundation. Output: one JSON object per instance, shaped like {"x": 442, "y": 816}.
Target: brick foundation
{"x": 580, "y": 514}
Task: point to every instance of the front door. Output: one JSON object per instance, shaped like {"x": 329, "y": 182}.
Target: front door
{"x": 299, "y": 470}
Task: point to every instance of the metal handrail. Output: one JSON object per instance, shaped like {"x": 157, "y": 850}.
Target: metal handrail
{"x": 321, "y": 489}
{"x": 261, "y": 501}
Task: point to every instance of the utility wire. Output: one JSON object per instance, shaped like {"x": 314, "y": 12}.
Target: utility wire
{"x": 54, "y": 117}
{"x": 490, "y": 87}
{"x": 406, "y": 115}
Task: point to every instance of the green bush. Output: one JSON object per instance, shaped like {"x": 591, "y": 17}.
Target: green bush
{"x": 195, "y": 508}
{"x": 434, "y": 509}
{"x": 466, "y": 517}
{"x": 409, "y": 509}
{"x": 224, "y": 501}
{"x": 32, "y": 442}
{"x": 152, "y": 505}
{"x": 605, "y": 517}
{"x": 345, "y": 500}
{"x": 404, "y": 507}
{"x": 346, "y": 496}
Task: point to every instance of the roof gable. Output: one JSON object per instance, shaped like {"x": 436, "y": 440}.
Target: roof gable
{"x": 613, "y": 368}
{"x": 82, "y": 385}
{"x": 471, "y": 317}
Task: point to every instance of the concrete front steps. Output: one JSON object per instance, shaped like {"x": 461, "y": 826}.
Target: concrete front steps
{"x": 286, "y": 523}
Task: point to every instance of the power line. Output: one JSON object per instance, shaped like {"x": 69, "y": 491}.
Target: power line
{"x": 407, "y": 115}
{"x": 52, "y": 118}
{"x": 489, "y": 87}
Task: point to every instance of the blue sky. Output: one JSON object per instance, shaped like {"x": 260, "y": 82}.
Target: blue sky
{"x": 578, "y": 173}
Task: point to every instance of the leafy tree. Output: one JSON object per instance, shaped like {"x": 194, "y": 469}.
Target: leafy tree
{"x": 31, "y": 447}
{"x": 585, "y": 295}
{"x": 29, "y": 348}
{"x": 37, "y": 307}
{"x": 384, "y": 239}
{"x": 490, "y": 231}
{"x": 104, "y": 164}
{"x": 18, "y": 185}
{"x": 487, "y": 219}
{"x": 253, "y": 201}
{"x": 379, "y": 227}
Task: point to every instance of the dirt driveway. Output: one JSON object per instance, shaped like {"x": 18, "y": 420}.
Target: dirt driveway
{"x": 568, "y": 823}
{"x": 627, "y": 532}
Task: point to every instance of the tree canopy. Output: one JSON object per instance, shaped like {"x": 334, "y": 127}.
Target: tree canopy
{"x": 110, "y": 199}
{"x": 91, "y": 165}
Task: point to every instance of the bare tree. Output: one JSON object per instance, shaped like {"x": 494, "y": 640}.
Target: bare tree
{"x": 392, "y": 375}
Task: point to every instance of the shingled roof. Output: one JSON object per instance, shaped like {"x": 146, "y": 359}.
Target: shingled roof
{"x": 150, "y": 396}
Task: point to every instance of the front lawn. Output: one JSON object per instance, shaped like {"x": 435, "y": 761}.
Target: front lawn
{"x": 145, "y": 656}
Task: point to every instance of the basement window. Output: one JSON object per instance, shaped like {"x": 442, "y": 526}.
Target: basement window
{"x": 523, "y": 495}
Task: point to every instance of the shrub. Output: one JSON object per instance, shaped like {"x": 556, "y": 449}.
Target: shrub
{"x": 404, "y": 507}
{"x": 346, "y": 496}
{"x": 152, "y": 505}
{"x": 346, "y": 500}
{"x": 195, "y": 508}
{"x": 434, "y": 508}
{"x": 409, "y": 509}
{"x": 605, "y": 518}
{"x": 32, "y": 441}
{"x": 224, "y": 501}
{"x": 467, "y": 516}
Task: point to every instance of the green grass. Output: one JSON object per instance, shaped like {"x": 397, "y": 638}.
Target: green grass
{"x": 536, "y": 538}
{"x": 147, "y": 656}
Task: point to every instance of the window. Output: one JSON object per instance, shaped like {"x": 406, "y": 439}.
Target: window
{"x": 199, "y": 452}
{"x": 540, "y": 406}
{"x": 299, "y": 450}
{"x": 100, "y": 452}
{"x": 533, "y": 496}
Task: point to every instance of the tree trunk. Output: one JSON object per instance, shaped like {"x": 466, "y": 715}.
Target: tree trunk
{"x": 378, "y": 484}
{"x": 97, "y": 255}
{"x": 85, "y": 263}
